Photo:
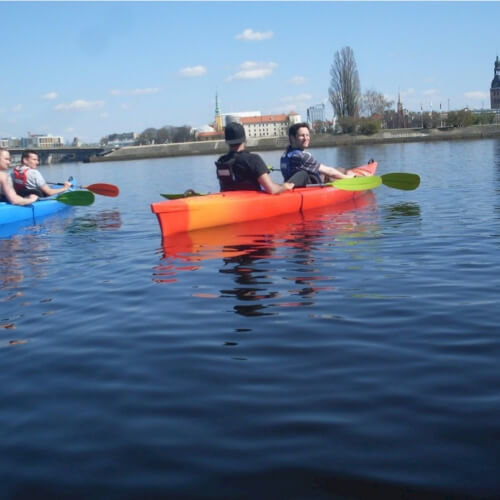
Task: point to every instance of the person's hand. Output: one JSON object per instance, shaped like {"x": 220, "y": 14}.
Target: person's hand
{"x": 32, "y": 198}
{"x": 67, "y": 185}
{"x": 288, "y": 185}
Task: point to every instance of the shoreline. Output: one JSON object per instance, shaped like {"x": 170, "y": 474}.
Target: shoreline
{"x": 280, "y": 143}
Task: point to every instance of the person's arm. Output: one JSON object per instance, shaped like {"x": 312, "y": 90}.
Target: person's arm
{"x": 11, "y": 195}
{"x": 48, "y": 191}
{"x": 335, "y": 173}
{"x": 271, "y": 187}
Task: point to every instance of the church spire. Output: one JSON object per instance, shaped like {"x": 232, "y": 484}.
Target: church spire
{"x": 218, "y": 117}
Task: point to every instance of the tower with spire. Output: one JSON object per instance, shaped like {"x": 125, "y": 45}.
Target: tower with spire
{"x": 218, "y": 117}
{"x": 400, "y": 113}
{"x": 495, "y": 87}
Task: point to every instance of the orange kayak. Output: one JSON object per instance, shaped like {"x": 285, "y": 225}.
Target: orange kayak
{"x": 230, "y": 207}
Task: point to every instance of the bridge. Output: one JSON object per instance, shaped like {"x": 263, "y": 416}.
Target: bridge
{"x": 60, "y": 153}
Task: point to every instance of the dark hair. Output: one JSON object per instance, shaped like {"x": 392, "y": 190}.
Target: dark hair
{"x": 28, "y": 152}
{"x": 292, "y": 131}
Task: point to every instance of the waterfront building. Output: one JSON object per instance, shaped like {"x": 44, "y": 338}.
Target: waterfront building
{"x": 10, "y": 142}
{"x": 495, "y": 87}
{"x": 236, "y": 117}
{"x": 120, "y": 140}
{"x": 316, "y": 113}
{"x": 269, "y": 125}
{"x": 41, "y": 141}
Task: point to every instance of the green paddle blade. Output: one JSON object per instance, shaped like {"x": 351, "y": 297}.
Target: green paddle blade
{"x": 404, "y": 181}
{"x": 76, "y": 198}
{"x": 176, "y": 196}
{"x": 357, "y": 183}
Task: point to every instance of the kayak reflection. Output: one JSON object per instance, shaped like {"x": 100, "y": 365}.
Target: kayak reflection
{"x": 254, "y": 240}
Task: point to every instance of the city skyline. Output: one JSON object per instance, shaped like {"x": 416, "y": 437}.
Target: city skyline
{"x": 94, "y": 69}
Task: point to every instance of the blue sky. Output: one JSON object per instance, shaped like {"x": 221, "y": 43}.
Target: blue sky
{"x": 88, "y": 69}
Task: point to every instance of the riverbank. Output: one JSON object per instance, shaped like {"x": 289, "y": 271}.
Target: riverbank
{"x": 280, "y": 143}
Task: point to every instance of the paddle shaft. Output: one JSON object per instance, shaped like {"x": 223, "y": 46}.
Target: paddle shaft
{"x": 100, "y": 188}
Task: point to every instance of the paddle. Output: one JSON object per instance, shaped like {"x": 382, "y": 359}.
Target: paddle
{"x": 353, "y": 184}
{"x": 401, "y": 180}
{"x": 186, "y": 194}
{"x": 99, "y": 188}
{"x": 396, "y": 180}
{"x": 74, "y": 198}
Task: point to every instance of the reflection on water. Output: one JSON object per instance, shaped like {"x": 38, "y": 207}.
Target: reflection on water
{"x": 106, "y": 220}
{"x": 397, "y": 213}
{"x": 251, "y": 251}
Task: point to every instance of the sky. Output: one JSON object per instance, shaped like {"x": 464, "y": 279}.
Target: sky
{"x": 89, "y": 69}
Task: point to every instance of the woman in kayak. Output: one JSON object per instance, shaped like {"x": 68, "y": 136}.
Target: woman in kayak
{"x": 242, "y": 170}
{"x": 7, "y": 192}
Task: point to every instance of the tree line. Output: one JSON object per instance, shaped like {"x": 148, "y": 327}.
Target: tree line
{"x": 163, "y": 135}
{"x": 367, "y": 113}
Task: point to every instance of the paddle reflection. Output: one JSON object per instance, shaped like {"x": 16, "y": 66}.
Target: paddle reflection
{"x": 105, "y": 220}
{"x": 253, "y": 253}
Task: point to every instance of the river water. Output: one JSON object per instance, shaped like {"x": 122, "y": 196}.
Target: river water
{"x": 350, "y": 352}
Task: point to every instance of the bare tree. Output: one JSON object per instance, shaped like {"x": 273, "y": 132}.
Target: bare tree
{"x": 344, "y": 91}
{"x": 374, "y": 103}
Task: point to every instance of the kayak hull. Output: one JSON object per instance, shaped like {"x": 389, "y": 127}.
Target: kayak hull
{"x": 10, "y": 214}
{"x": 230, "y": 207}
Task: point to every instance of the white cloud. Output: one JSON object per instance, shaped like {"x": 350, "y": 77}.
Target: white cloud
{"x": 430, "y": 92}
{"x": 476, "y": 94}
{"x": 298, "y": 80}
{"x": 145, "y": 91}
{"x": 253, "y": 36}
{"x": 79, "y": 105}
{"x": 104, "y": 114}
{"x": 251, "y": 70}
{"x": 125, "y": 106}
{"x": 17, "y": 108}
{"x": 193, "y": 71}
{"x": 50, "y": 96}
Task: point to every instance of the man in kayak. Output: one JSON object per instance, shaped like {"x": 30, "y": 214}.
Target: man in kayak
{"x": 300, "y": 167}
{"x": 7, "y": 192}
{"x": 27, "y": 179}
{"x": 242, "y": 170}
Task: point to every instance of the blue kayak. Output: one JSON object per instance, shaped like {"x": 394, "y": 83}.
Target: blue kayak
{"x": 10, "y": 214}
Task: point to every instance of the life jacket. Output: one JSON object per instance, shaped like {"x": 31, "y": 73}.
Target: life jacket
{"x": 20, "y": 178}
{"x": 288, "y": 168}
{"x": 20, "y": 181}
{"x": 233, "y": 175}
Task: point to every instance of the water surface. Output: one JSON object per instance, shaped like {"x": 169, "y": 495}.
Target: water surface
{"x": 348, "y": 352}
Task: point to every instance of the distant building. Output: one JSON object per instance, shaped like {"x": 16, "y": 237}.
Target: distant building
{"x": 255, "y": 124}
{"x": 10, "y": 142}
{"x": 211, "y": 135}
{"x": 316, "y": 113}
{"x": 119, "y": 140}
{"x": 495, "y": 87}
{"x": 236, "y": 117}
{"x": 218, "y": 117}
{"x": 41, "y": 141}
{"x": 269, "y": 125}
